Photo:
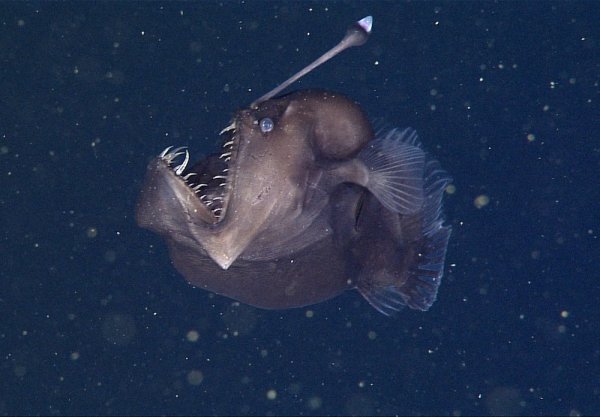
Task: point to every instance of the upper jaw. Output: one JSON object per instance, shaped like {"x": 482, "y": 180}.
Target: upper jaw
{"x": 211, "y": 179}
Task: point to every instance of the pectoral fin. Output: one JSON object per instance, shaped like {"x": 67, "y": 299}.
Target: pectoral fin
{"x": 395, "y": 165}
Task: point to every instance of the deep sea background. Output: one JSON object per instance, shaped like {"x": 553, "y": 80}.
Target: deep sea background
{"x": 94, "y": 319}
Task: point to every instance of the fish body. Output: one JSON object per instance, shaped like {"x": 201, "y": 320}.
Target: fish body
{"x": 304, "y": 202}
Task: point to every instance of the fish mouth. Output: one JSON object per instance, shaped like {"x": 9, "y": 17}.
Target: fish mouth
{"x": 211, "y": 178}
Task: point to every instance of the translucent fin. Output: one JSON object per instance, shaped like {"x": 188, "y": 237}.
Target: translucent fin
{"x": 420, "y": 288}
{"x": 396, "y": 163}
{"x": 436, "y": 181}
{"x": 386, "y": 300}
{"x": 423, "y": 264}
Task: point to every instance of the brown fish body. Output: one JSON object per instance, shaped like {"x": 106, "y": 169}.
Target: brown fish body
{"x": 303, "y": 203}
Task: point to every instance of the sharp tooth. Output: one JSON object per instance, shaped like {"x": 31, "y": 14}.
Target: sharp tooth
{"x": 177, "y": 151}
{"x": 222, "y": 177}
{"x": 225, "y": 155}
{"x": 191, "y": 174}
{"x": 180, "y": 168}
{"x": 165, "y": 152}
{"x": 228, "y": 128}
{"x": 169, "y": 154}
{"x": 226, "y": 144}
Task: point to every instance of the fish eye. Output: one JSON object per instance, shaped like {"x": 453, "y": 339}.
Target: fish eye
{"x": 266, "y": 125}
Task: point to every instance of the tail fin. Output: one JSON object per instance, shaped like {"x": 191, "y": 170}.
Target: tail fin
{"x": 419, "y": 290}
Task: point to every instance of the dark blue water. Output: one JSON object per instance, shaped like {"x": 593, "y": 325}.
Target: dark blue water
{"x": 94, "y": 318}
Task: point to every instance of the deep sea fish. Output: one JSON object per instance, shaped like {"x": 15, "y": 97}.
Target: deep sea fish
{"x": 303, "y": 202}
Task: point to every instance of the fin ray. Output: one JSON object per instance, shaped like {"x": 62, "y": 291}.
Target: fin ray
{"x": 396, "y": 165}
{"x": 386, "y": 300}
{"x": 420, "y": 287}
{"x": 388, "y": 291}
